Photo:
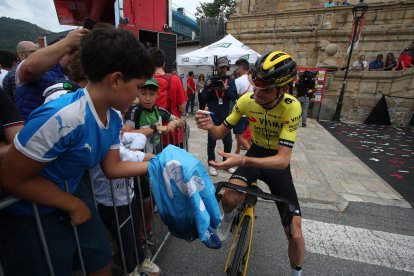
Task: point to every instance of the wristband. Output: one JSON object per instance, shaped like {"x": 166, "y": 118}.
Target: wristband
{"x": 154, "y": 128}
{"x": 243, "y": 160}
{"x": 176, "y": 123}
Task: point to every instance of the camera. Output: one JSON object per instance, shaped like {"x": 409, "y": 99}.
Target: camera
{"x": 218, "y": 81}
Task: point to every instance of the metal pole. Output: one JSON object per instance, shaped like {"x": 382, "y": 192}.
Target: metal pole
{"x": 337, "y": 116}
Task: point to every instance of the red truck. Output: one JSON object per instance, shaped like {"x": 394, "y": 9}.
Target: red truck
{"x": 149, "y": 20}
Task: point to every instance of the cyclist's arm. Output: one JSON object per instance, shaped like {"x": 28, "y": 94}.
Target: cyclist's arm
{"x": 279, "y": 161}
{"x": 218, "y": 132}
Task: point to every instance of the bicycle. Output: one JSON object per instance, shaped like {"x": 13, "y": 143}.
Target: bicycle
{"x": 244, "y": 220}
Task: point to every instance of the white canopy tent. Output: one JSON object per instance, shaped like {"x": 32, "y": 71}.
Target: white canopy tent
{"x": 201, "y": 61}
{"x": 228, "y": 47}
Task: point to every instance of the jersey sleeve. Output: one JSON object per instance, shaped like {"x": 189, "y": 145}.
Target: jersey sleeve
{"x": 237, "y": 112}
{"x": 45, "y": 135}
{"x": 290, "y": 123}
{"x": 164, "y": 114}
{"x": 131, "y": 115}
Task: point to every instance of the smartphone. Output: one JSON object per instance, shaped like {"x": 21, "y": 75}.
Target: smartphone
{"x": 89, "y": 23}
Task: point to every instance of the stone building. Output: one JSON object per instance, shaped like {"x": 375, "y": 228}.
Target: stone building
{"x": 306, "y": 30}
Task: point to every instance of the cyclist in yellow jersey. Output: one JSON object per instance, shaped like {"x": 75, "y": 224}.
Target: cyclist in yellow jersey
{"x": 274, "y": 117}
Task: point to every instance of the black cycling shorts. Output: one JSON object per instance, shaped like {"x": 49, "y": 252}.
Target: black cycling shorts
{"x": 279, "y": 181}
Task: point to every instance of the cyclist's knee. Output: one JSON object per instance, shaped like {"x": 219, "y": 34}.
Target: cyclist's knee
{"x": 231, "y": 197}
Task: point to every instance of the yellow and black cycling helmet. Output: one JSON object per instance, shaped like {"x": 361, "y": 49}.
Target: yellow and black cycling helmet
{"x": 274, "y": 69}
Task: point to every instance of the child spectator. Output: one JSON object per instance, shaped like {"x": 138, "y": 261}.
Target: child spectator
{"x": 147, "y": 118}
{"x": 123, "y": 196}
{"x": 59, "y": 142}
{"x": 390, "y": 62}
{"x": 377, "y": 64}
{"x": 404, "y": 60}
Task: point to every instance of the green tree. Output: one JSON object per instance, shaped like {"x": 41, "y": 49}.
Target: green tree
{"x": 217, "y": 8}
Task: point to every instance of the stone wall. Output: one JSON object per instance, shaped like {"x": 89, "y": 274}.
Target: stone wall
{"x": 304, "y": 32}
{"x": 304, "y": 29}
{"x": 364, "y": 90}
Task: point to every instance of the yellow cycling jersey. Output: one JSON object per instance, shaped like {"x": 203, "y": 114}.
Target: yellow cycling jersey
{"x": 270, "y": 127}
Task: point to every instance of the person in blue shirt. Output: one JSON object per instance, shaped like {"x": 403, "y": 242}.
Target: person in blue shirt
{"x": 329, "y": 4}
{"x": 377, "y": 64}
{"x": 34, "y": 74}
{"x": 62, "y": 139}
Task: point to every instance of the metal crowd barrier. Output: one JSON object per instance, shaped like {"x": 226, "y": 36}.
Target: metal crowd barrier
{"x": 161, "y": 233}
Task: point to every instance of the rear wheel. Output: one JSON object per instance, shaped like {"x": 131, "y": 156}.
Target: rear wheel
{"x": 241, "y": 253}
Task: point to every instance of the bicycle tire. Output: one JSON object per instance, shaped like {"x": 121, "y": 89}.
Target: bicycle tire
{"x": 239, "y": 257}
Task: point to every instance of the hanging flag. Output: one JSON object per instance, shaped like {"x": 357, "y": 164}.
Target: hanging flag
{"x": 358, "y": 34}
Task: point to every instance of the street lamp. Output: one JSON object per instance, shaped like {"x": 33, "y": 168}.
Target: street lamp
{"x": 358, "y": 13}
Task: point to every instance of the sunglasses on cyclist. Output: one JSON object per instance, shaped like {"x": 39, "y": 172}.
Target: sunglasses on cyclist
{"x": 262, "y": 84}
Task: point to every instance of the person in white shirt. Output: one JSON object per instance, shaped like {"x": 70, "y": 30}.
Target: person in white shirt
{"x": 361, "y": 64}
{"x": 119, "y": 193}
{"x": 243, "y": 85}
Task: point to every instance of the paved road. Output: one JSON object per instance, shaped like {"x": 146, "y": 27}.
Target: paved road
{"x": 323, "y": 169}
{"x": 354, "y": 223}
{"x": 365, "y": 239}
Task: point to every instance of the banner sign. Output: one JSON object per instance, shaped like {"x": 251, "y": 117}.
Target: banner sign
{"x": 321, "y": 78}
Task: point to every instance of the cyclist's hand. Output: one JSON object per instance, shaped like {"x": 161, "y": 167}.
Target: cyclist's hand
{"x": 232, "y": 160}
{"x": 203, "y": 121}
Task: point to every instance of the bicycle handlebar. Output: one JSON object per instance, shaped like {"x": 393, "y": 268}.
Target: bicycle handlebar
{"x": 256, "y": 191}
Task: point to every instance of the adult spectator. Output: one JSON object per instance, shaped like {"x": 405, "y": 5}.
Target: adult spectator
{"x": 7, "y": 61}
{"x": 190, "y": 92}
{"x": 171, "y": 94}
{"x": 377, "y": 64}
{"x": 34, "y": 74}
{"x": 200, "y": 86}
{"x": 243, "y": 85}
{"x": 329, "y": 4}
{"x": 219, "y": 92}
{"x": 411, "y": 51}
{"x": 361, "y": 64}
{"x": 404, "y": 60}
{"x": 59, "y": 87}
{"x": 23, "y": 50}
{"x": 305, "y": 87}
{"x": 390, "y": 62}
{"x": 10, "y": 123}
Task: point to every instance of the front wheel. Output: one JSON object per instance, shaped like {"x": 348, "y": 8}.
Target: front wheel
{"x": 241, "y": 255}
